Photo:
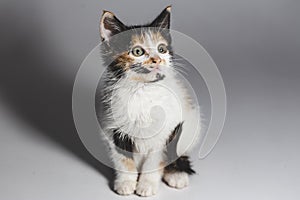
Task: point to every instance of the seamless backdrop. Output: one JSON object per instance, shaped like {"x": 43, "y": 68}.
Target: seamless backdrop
{"x": 255, "y": 44}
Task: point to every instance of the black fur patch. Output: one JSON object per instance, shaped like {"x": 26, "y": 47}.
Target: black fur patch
{"x": 162, "y": 20}
{"x": 176, "y": 132}
{"x": 172, "y": 142}
{"x": 182, "y": 164}
{"x": 123, "y": 141}
{"x": 138, "y": 68}
{"x": 159, "y": 77}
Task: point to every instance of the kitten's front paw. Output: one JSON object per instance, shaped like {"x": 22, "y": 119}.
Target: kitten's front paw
{"x": 146, "y": 188}
{"x": 125, "y": 187}
{"x": 177, "y": 179}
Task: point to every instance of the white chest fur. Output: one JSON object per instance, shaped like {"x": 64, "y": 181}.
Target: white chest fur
{"x": 147, "y": 112}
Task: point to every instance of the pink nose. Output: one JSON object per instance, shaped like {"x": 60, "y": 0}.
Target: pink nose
{"x": 155, "y": 60}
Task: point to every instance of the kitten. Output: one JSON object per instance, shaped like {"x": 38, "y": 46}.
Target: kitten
{"x": 147, "y": 111}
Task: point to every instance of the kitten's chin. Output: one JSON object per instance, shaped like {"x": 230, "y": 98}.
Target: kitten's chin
{"x": 149, "y": 78}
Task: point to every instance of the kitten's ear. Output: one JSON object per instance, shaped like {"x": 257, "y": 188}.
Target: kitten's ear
{"x": 110, "y": 25}
{"x": 163, "y": 19}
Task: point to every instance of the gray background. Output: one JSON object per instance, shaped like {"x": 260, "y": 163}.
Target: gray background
{"x": 255, "y": 44}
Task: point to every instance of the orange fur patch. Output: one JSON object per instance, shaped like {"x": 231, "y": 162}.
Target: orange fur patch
{"x": 138, "y": 79}
{"x": 157, "y": 38}
{"x": 150, "y": 61}
{"x": 162, "y": 164}
{"x": 129, "y": 164}
{"x": 124, "y": 60}
{"x": 137, "y": 39}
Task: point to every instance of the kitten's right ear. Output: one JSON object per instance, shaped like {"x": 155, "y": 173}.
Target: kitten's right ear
{"x": 110, "y": 25}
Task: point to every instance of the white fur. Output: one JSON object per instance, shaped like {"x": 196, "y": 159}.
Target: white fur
{"x": 125, "y": 187}
{"x": 151, "y": 111}
{"x": 177, "y": 179}
{"x": 147, "y": 187}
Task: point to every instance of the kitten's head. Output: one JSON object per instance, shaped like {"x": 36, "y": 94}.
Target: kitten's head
{"x": 140, "y": 53}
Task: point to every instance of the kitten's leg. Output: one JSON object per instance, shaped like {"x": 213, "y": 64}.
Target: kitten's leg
{"x": 177, "y": 173}
{"x": 126, "y": 174}
{"x": 150, "y": 176}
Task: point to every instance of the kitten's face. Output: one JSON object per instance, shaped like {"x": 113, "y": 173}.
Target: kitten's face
{"x": 143, "y": 53}
{"x": 149, "y": 57}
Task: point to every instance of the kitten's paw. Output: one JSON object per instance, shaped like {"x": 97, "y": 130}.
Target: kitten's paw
{"x": 146, "y": 188}
{"x": 125, "y": 187}
{"x": 177, "y": 179}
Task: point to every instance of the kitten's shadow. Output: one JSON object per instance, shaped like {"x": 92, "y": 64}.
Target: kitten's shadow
{"x": 32, "y": 86}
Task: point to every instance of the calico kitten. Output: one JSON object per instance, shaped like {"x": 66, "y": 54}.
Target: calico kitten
{"x": 146, "y": 106}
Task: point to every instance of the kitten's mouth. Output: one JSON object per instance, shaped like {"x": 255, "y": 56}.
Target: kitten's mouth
{"x": 149, "y": 74}
{"x": 138, "y": 68}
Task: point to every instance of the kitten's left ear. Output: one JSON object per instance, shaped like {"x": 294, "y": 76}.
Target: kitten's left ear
{"x": 110, "y": 25}
{"x": 163, "y": 19}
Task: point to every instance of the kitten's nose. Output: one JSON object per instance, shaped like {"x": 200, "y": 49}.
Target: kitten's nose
{"x": 156, "y": 60}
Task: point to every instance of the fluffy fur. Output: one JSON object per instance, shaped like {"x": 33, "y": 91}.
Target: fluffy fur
{"x": 146, "y": 107}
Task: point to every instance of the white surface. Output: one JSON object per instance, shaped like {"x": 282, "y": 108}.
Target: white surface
{"x": 255, "y": 45}
{"x": 246, "y": 164}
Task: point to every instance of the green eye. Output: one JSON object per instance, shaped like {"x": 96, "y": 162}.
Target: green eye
{"x": 138, "y": 51}
{"x": 162, "y": 48}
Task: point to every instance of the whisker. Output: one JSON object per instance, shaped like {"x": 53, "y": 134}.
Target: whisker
{"x": 183, "y": 67}
{"x": 180, "y": 70}
{"x": 177, "y": 58}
